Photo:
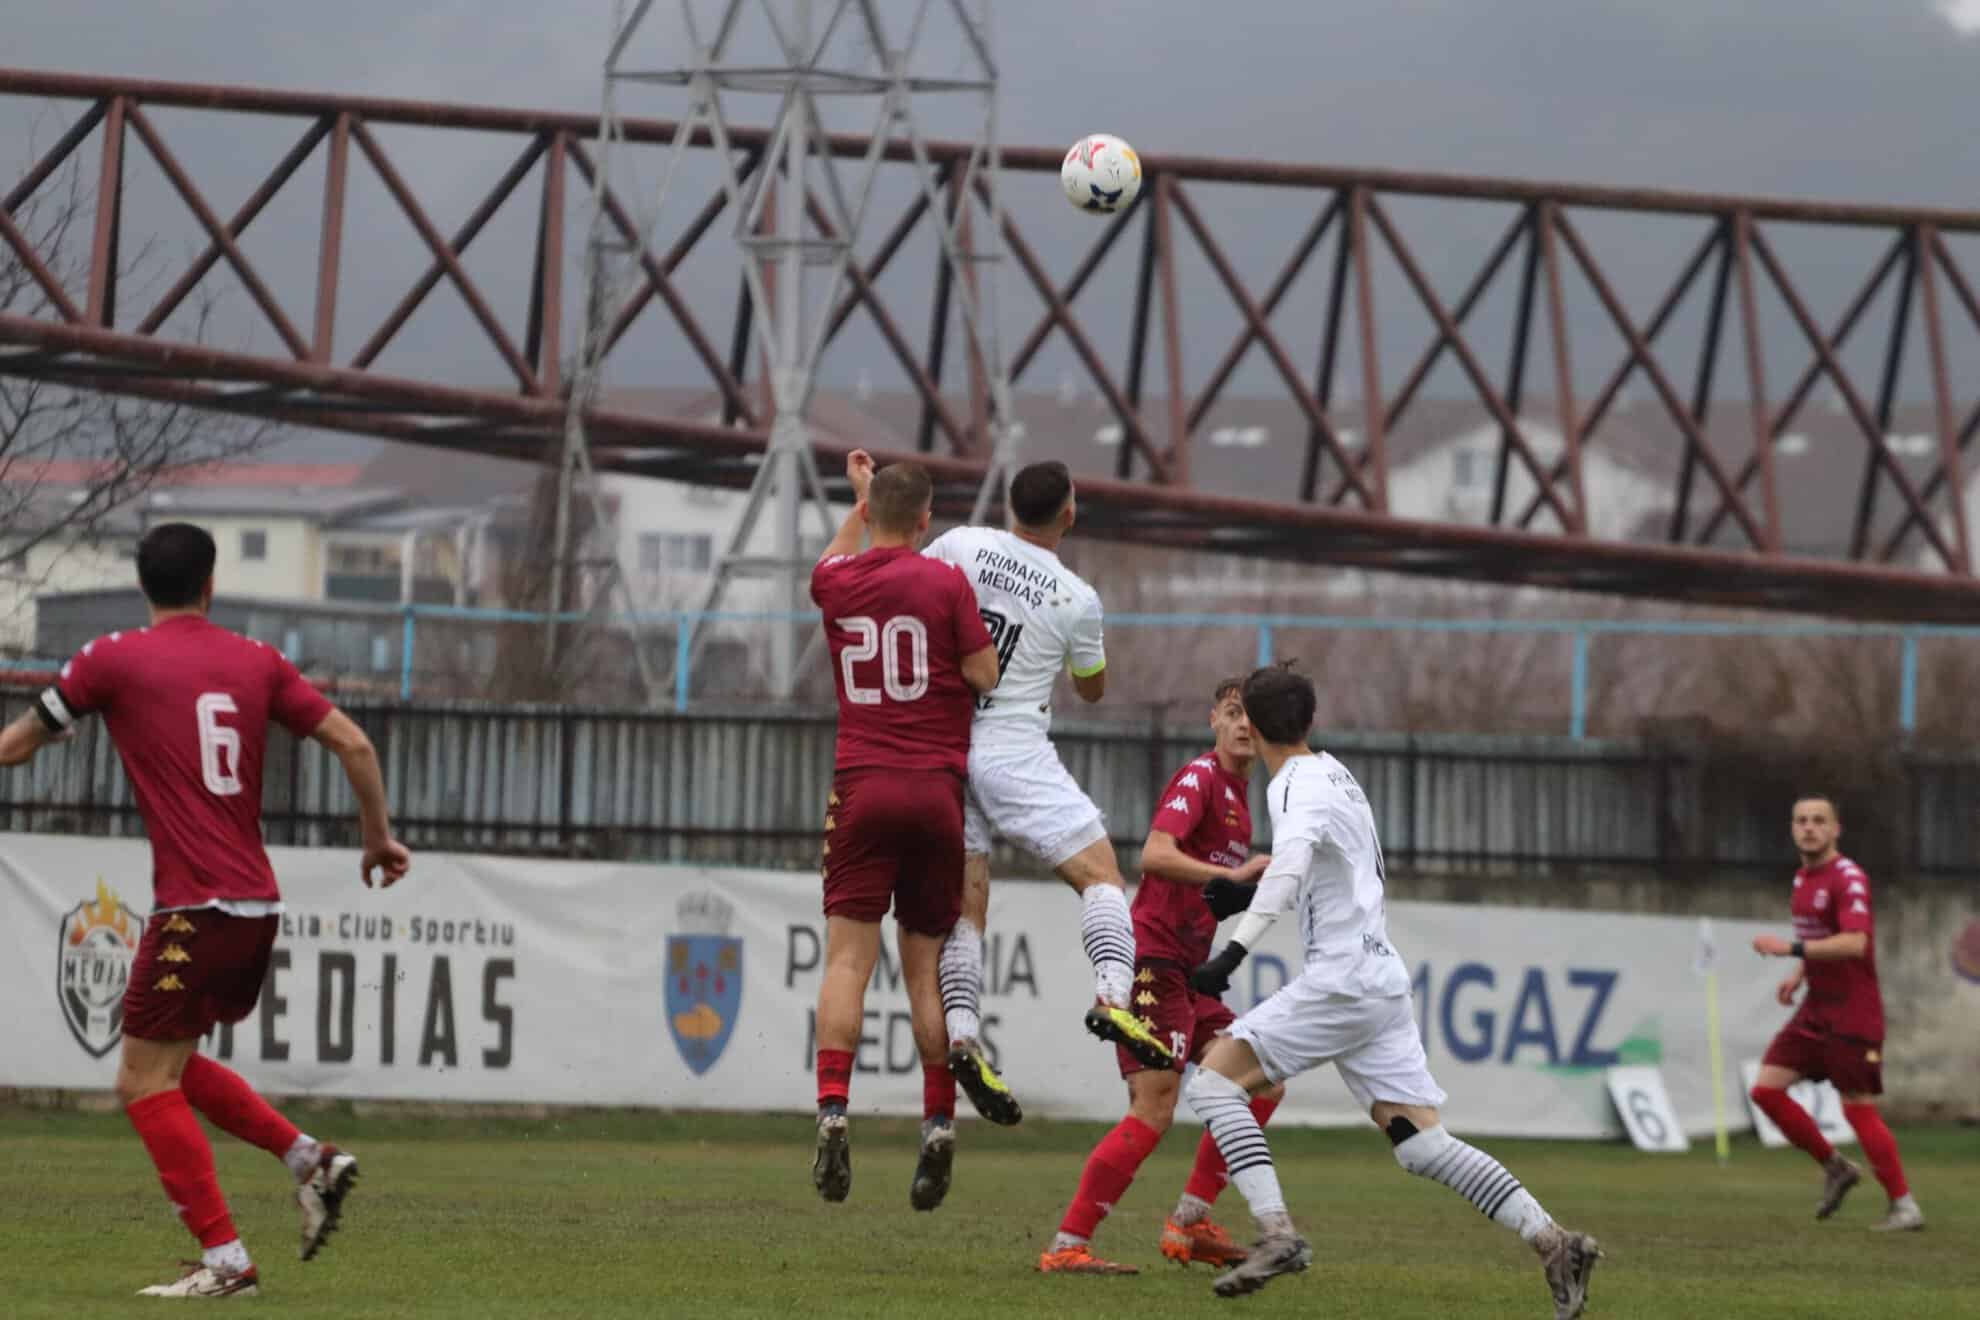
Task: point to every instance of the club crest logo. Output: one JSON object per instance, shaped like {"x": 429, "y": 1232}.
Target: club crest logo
{"x": 704, "y": 979}
{"x": 95, "y": 945}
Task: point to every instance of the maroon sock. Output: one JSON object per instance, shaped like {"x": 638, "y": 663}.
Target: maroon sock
{"x": 1879, "y": 1147}
{"x": 234, "y": 1107}
{"x": 938, "y": 1091}
{"x": 1793, "y": 1121}
{"x": 179, "y": 1151}
{"x": 835, "y": 1070}
{"x": 1109, "y": 1170}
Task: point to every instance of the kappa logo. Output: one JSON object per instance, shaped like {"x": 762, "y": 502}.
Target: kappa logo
{"x": 704, "y": 979}
{"x": 95, "y": 946}
{"x": 1821, "y": 899}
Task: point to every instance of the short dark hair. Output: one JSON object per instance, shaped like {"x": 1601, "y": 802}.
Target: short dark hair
{"x": 1835, "y": 809}
{"x": 1280, "y": 704}
{"x": 1039, "y": 491}
{"x": 174, "y": 561}
{"x": 899, "y": 495}
{"x": 1227, "y": 687}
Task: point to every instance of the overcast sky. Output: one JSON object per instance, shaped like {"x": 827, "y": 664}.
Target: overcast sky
{"x": 1867, "y": 100}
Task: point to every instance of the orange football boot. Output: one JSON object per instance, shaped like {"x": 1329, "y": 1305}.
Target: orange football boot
{"x": 1080, "y": 1260}
{"x": 1202, "y": 1242}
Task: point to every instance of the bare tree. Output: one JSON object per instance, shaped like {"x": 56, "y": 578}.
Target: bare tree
{"x": 74, "y": 461}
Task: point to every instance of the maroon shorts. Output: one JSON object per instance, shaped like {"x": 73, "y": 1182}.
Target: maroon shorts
{"x": 1185, "y": 1020}
{"x": 1855, "y": 1066}
{"x": 196, "y": 969}
{"x": 895, "y": 837}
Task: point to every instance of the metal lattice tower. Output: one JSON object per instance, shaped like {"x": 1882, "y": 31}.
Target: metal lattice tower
{"x": 797, "y": 220}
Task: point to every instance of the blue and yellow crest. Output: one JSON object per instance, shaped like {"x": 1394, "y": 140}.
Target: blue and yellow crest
{"x": 704, "y": 972}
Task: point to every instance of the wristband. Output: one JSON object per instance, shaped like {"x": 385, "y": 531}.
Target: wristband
{"x": 1795, "y": 950}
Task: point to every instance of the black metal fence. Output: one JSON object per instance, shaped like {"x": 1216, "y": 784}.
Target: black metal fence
{"x": 749, "y": 788}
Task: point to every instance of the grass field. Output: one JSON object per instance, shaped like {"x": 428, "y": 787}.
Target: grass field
{"x": 615, "y": 1214}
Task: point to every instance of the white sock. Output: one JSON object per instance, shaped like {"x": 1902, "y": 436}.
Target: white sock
{"x": 1107, "y": 931}
{"x": 227, "y": 1258}
{"x": 961, "y": 972}
{"x": 1064, "y": 1240}
{"x": 1226, "y": 1110}
{"x": 1477, "y": 1177}
{"x": 303, "y": 1156}
{"x": 1190, "y": 1210}
{"x": 1904, "y": 1203}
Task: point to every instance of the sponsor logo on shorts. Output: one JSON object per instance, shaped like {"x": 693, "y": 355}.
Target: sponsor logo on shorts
{"x": 704, "y": 979}
{"x": 96, "y": 943}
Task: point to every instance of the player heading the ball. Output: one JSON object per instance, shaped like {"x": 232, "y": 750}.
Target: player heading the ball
{"x": 1045, "y": 620}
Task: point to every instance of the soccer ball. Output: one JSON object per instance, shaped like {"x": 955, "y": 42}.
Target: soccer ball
{"x": 1101, "y": 174}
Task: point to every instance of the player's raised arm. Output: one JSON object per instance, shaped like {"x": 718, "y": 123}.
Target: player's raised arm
{"x": 383, "y": 853}
{"x": 851, "y": 536}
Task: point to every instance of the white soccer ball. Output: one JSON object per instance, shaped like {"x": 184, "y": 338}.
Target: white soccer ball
{"x": 1101, "y": 174}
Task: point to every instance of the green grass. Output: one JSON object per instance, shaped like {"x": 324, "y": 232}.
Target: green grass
{"x": 694, "y": 1215}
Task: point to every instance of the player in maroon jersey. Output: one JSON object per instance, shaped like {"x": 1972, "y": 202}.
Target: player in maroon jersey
{"x": 188, "y": 705}
{"x": 1838, "y": 1032}
{"x": 909, "y": 654}
{"x": 1194, "y": 871}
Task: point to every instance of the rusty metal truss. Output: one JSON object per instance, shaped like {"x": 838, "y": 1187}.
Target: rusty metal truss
{"x": 1734, "y": 294}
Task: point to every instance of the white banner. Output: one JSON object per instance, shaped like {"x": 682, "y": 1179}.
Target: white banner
{"x": 490, "y": 979}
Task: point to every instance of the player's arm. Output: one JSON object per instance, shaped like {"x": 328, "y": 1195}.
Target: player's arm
{"x": 851, "y": 536}
{"x": 49, "y": 719}
{"x": 1276, "y": 892}
{"x": 349, "y": 743}
{"x": 1162, "y": 856}
{"x": 979, "y": 670}
{"x": 1088, "y": 658}
{"x": 1840, "y": 947}
{"x": 20, "y": 740}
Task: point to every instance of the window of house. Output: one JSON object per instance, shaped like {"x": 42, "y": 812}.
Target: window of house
{"x": 254, "y": 545}
{"x": 1465, "y": 468}
{"x": 675, "y": 552}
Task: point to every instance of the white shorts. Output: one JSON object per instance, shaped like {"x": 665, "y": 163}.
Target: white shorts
{"x": 1025, "y": 794}
{"x": 1374, "y": 1042}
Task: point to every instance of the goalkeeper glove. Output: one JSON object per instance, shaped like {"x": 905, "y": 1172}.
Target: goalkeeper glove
{"x": 1214, "y": 977}
{"x": 1227, "y": 897}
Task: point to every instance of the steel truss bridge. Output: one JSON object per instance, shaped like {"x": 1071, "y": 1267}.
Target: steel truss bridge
{"x": 76, "y": 323}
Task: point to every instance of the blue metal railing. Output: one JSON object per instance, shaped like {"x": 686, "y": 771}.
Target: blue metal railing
{"x": 1579, "y": 632}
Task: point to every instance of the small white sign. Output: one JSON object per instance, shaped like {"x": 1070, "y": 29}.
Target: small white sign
{"x": 1821, "y": 1099}
{"x": 1645, "y": 1108}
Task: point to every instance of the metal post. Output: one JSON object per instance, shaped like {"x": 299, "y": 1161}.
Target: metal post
{"x": 1908, "y": 686}
{"x": 406, "y": 652}
{"x": 1578, "y": 720}
{"x": 683, "y": 659}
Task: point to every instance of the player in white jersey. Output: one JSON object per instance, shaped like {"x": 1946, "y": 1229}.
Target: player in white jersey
{"x": 1043, "y": 619}
{"x": 1349, "y": 1006}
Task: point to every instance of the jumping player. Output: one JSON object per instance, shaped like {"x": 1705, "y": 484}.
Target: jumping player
{"x": 1194, "y": 870}
{"x": 188, "y": 705}
{"x": 1349, "y": 1006}
{"x": 1838, "y": 1032}
{"x": 1043, "y": 619}
{"x": 909, "y": 653}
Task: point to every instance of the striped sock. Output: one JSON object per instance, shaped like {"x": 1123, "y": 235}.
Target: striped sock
{"x": 1477, "y": 1177}
{"x": 1108, "y": 933}
{"x": 961, "y": 972}
{"x": 1226, "y": 1110}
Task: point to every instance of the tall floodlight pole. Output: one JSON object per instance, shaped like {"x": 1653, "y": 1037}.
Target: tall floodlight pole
{"x": 796, "y": 249}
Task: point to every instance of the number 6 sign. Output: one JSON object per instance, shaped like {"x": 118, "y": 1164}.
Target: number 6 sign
{"x": 1645, "y": 1109}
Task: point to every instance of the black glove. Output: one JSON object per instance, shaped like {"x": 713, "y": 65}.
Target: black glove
{"x": 1227, "y": 897}
{"x": 1214, "y": 977}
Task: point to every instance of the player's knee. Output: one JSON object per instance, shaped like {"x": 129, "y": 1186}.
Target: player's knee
{"x": 1417, "y": 1149}
{"x": 1763, "y": 1095}
{"x": 1273, "y": 1094}
{"x": 1209, "y": 1085}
